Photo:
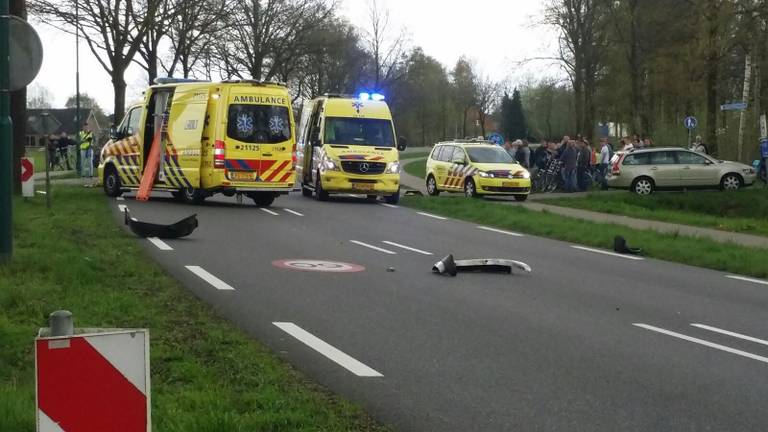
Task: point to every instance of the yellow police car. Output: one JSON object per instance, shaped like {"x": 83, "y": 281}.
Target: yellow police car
{"x": 476, "y": 168}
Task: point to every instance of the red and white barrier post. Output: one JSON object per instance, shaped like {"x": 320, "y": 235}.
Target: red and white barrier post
{"x": 92, "y": 379}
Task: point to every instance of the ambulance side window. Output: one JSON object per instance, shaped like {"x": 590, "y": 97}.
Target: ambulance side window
{"x": 133, "y": 122}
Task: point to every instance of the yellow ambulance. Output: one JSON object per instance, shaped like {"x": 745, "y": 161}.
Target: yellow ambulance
{"x": 348, "y": 145}
{"x": 230, "y": 137}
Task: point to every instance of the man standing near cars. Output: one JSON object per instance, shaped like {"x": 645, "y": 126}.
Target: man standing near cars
{"x": 764, "y": 159}
{"x": 64, "y": 148}
{"x": 569, "y": 158}
{"x": 603, "y": 161}
{"x": 86, "y": 155}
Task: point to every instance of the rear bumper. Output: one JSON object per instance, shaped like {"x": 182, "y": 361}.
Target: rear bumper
{"x": 340, "y": 182}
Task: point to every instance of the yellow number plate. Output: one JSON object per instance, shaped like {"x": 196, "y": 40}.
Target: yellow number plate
{"x": 241, "y": 176}
{"x": 510, "y": 184}
{"x": 363, "y": 186}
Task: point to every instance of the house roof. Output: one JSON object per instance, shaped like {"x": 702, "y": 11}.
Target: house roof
{"x": 59, "y": 120}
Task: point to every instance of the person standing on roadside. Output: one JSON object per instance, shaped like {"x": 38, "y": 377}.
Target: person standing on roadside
{"x": 764, "y": 159}
{"x": 569, "y": 158}
{"x": 64, "y": 144}
{"x": 524, "y": 154}
{"x": 603, "y": 160}
{"x": 626, "y": 144}
{"x": 86, "y": 155}
{"x": 698, "y": 145}
{"x": 583, "y": 163}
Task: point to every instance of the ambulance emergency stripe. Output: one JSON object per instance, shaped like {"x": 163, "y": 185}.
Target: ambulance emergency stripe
{"x": 277, "y": 171}
{"x": 125, "y": 169}
{"x": 286, "y": 176}
{"x": 181, "y": 178}
{"x": 170, "y": 178}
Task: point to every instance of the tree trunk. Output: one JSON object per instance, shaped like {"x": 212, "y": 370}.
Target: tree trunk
{"x": 18, "y": 111}
{"x": 118, "y": 86}
{"x": 464, "y": 123}
{"x": 712, "y": 66}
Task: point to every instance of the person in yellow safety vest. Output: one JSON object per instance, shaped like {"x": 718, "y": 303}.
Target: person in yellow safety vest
{"x": 86, "y": 155}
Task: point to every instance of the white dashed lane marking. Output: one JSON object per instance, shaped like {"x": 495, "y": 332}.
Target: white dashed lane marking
{"x": 211, "y": 279}
{"x": 432, "y": 216}
{"x": 160, "y": 244}
{"x": 266, "y": 210}
{"x": 389, "y": 205}
{"x": 604, "y": 252}
{"x": 748, "y": 279}
{"x": 329, "y": 351}
{"x": 376, "y": 248}
{"x": 412, "y": 249}
{"x": 293, "y": 212}
{"x": 509, "y": 233}
{"x": 732, "y": 334}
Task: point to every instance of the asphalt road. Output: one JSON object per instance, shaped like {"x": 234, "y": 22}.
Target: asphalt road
{"x": 587, "y": 342}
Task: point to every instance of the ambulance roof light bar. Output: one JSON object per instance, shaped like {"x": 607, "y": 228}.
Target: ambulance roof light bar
{"x": 172, "y": 80}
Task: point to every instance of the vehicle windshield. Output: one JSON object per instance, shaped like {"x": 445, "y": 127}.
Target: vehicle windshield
{"x": 489, "y": 155}
{"x": 359, "y": 131}
{"x": 259, "y": 124}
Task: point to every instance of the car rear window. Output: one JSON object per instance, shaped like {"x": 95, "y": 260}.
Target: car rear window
{"x": 259, "y": 124}
{"x": 638, "y": 159}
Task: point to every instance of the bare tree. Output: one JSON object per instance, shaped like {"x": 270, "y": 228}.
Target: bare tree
{"x": 39, "y": 97}
{"x": 387, "y": 49}
{"x": 193, "y": 29}
{"x": 487, "y": 98}
{"x": 113, "y": 29}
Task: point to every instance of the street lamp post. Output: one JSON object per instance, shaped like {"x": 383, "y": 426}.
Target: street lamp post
{"x": 78, "y": 162}
{"x": 6, "y": 136}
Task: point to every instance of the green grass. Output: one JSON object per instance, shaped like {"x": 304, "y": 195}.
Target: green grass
{"x": 417, "y": 168}
{"x": 38, "y": 158}
{"x": 745, "y": 211}
{"x": 206, "y": 375}
{"x": 671, "y": 247}
{"x": 415, "y": 154}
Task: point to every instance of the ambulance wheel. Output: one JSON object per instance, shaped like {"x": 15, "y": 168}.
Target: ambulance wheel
{"x": 264, "y": 199}
{"x": 112, "y": 185}
{"x": 305, "y": 191}
{"x": 192, "y": 196}
{"x": 177, "y": 195}
{"x": 322, "y": 195}
{"x": 392, "y": 199}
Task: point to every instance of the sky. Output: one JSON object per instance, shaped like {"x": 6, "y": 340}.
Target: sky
{"x": 495, "y": 34}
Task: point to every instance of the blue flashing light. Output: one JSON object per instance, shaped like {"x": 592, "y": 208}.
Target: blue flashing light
{"x": 364, "y": 96}
{"x": 377, "y": 97}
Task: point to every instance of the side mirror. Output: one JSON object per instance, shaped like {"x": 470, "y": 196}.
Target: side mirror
{"x": 402, "y": 143}
{"x": 113, "y": 132}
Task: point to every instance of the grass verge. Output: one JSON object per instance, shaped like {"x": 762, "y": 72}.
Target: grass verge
{"x": 415, "y": 154}
{"x": 745, "y": 211}
{"x": 206, "y": 375}
{"x": 417, "y": 168}
{"x": 670, "y": 247}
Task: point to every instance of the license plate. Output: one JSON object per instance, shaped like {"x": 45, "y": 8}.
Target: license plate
{"x": 510, "y": 184}
{"x": 363, "y": 186}
{"x": 240, "y": 176}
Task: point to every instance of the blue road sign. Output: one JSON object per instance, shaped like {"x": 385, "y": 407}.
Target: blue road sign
{"x": 690, "y": 122}
{"x": 496, "y": 138}
{"x": 736, "y": 106}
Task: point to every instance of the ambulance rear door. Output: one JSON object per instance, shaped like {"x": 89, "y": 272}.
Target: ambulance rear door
{"x": 183, "y": 151}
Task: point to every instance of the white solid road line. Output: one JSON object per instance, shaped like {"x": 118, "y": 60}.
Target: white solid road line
{"x": 120, "y": 198}
{"x": 389, "y": 205}
{"x": 730, "y": 333}
{"x": 423, "y": 252}
{"x": 510, "y": 233}
{"x": 703, "y": 342}
{"x": 748, "y": 279}
{"x": 386, "y": 251}
{"x": 211, "y": 279}
{"x": 604, "y": 252}
{"x": 327, "y": 350}
{"x": 160, "y": 244}
{"x": 293, "y": 212}
{"x": 432, "y": 216}
{"x": 122, "y": 208}
{"x": 266, "y": 210}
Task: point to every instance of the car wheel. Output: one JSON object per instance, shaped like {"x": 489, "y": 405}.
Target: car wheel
{"x": 392, "y": 199}
{"x": 643, "y": 186}
{"x": 112, "y": 186}
{"x": 730, "y": 182}
{"x": 192, "y": 196}
{"x": 470, "y": 190}
{"x": 521, "y": 198}
{"x": 321, "y": 194}
{"x": 264, "y": 199}
{"x": 432, "y": 186}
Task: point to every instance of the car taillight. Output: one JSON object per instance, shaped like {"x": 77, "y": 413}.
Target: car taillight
{"x": 219, "y": 154}
{"x": 616, "y": 167}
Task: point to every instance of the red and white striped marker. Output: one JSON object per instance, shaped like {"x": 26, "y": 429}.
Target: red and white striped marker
{"x": 93, "y": 382}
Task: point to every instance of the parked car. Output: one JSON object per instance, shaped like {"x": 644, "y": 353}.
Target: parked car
{"x": 646, "y": 170}
{"x": 477, "y": 168}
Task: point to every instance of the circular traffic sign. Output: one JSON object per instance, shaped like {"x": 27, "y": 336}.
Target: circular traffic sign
{"x": 318, "y": 266}
{"x": 496, "y": 138}
{"x": 690, "y": 122}
{"x": 25, "y": 53}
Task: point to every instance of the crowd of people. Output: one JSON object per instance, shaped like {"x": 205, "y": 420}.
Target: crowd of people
{"x": 63, "y": 152}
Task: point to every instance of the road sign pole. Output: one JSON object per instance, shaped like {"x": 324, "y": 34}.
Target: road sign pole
{"x": 6, "y": 138}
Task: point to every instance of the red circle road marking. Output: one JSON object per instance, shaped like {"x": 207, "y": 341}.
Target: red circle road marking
{"x": 318, "y": 266}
